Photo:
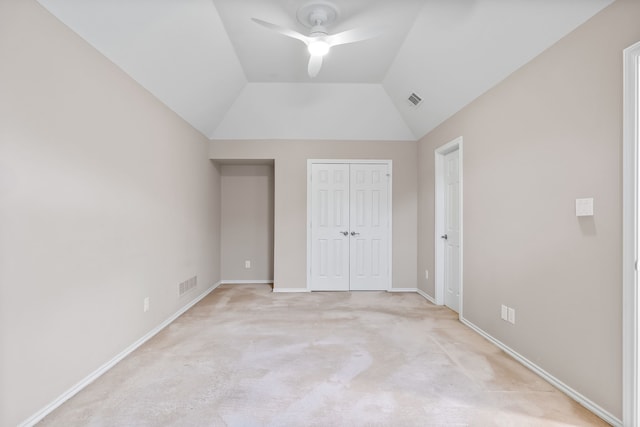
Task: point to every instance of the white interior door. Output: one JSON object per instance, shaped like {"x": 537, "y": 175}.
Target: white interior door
{"x": 452, "y": 230}
{"x": 349, "y": 227}
{"x": 369, "y": 227}
{"x": 330, "y": 227}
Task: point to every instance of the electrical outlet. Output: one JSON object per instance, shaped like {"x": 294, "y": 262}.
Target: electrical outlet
{"x": 504, "y": 312}
{"x": 426, "y": 274}
{"x": 146, "y": 304}
{"x": 512, "y": 315}
{"x": 247, "y": 264}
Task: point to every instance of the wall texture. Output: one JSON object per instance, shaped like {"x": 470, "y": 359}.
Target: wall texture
{"x": 106, "y": 197}
{"x": 290, "y": 206}
{"x": 247, "y": 222}
{"x": 550, "y": 133}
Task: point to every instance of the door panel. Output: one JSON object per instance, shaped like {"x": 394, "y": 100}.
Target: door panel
{"x": 370, "y": 227}
{"x": 329, "y": 222}
{"x": 452, "y": 230}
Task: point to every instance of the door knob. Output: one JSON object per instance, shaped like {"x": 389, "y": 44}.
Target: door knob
{"x": 346, "y": 233}
{"x": 445, "y": 237}
{"x": 353, "y": 233}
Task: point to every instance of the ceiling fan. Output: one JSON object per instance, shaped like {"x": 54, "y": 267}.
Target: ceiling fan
{"x": 318, "y": 16}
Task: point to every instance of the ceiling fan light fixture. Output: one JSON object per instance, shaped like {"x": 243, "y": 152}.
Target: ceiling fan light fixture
{"x": 318, "y": 48}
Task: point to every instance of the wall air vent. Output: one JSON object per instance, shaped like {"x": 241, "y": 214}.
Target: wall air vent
{"x": 414, "y": 99}
{"x": 187, "y": 285}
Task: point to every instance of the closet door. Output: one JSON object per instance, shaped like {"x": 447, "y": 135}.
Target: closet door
{"x": 369, "y": 227}
{"x": 350, "y": 227}
{"x": 330, "y": 227}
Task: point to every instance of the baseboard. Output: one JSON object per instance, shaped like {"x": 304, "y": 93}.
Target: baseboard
{"x": 416, "y": 290}
{"x": 38, "y": 416}
{"x": 290, "y": 290}
{"x": 582, "y": 400}
{"x": 427, "y": 296}
{"x": 246, "y": 282}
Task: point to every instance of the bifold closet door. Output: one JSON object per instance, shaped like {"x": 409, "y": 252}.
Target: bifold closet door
{"x": 330, "y": 227}
{"x": 349, "y": 227}
{"x": 369, "y": 227}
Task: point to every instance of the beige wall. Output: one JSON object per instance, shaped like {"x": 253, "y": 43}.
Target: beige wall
{"x": 291, "y": 198}
{"x": 547, "y": 135}
{"x": 247, "y": 222}
{"x": 106, "y": 197}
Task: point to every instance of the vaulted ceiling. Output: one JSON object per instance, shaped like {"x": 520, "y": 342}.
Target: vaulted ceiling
{"x": 231, "y": 78}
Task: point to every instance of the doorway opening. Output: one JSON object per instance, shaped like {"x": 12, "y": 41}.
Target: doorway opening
{"x": 349, "y": 225}
{"x": 631, "y": 184}
{"x": 448, "y": 226}
{"x": 246, "y": 221}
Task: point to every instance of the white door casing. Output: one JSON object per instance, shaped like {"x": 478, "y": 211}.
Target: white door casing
{"x": 452, "y": 231}
{"x": 349, "y": 225}
{"x": 631, "y": 237}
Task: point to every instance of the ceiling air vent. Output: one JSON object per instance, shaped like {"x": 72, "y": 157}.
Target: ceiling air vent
{"x": 415, "y": 99}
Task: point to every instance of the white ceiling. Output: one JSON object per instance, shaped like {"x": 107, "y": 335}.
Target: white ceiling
{"x": 233, "y": 79}
{"x": 267, "y": 56}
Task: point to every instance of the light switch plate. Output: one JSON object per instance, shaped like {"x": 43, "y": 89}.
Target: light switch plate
{"x": 584, "y": 207}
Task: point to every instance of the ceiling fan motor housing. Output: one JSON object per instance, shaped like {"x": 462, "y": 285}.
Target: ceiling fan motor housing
{"x": 317, "y": 15}
{"x": 318, "y": 31}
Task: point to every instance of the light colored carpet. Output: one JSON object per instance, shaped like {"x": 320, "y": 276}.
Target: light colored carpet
{"x": 245, "y": 356}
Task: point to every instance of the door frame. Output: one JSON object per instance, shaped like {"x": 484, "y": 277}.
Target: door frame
{"x": 389, "y": 164}
{"x": 439, "y": 155}
{"x": 630, "y": 324}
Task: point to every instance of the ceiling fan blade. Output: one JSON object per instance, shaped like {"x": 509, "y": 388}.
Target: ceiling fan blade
{"x": 282, "y": 30}
{"x": 315, "y": 63}
{"x": 355, "y": 35}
